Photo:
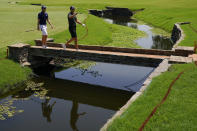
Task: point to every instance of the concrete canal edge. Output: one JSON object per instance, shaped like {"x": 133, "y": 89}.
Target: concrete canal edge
{"x": 177, "y": 33}
{"x": 163, "y": 67}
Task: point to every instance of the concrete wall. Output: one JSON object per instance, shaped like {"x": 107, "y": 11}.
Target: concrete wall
{"x": 19, "y": 52}
{"x": 176, "y": 33}
{"x": 110, "y": 12}
{"x": 99, "y": 57}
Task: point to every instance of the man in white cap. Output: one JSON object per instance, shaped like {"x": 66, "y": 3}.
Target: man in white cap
{"x": 72, "y": 20}
{"x": 42, "y": 25}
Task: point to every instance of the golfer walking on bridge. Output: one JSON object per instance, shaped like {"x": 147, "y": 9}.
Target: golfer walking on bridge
{"x": 42, "y": 25}
{"x": 72, "y": 20}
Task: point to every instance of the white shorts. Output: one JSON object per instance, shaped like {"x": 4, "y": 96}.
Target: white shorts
{"x": 43, "y": 28}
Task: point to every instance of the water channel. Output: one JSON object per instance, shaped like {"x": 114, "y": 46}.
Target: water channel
{"x": 78, "y": 97}
{"x": 151, "y": 40}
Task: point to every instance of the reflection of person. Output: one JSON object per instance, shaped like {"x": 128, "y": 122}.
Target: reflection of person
{"x": 74, "y": 116}
{"x": 42, "y": 25}
{"x": 72, "y": 20}
{"x": 47, "y": 109}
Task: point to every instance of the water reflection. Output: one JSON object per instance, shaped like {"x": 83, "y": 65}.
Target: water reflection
{"x": 160, "y": 42}
{"x": 75, "y": 115}
{"x": 87, "y": 93}
{"x": 87, "y": 106}
{"x": 109, "y": 75}
{"x": 122, "y": 21}
{"x": 151, "y": 40}
{"x": 47, "y": 109}
{"x": 88, "y": 99}
{"x": 85, "y": 69}
{"x": 7, "y": 110}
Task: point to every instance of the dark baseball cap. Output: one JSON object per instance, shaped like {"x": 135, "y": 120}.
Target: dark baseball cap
{"x": 72, "y": 8}
{"x": 43, "y": 7}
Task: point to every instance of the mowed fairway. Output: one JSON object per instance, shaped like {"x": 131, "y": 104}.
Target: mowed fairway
{"x": 103, "y": 34}
{"x": 16, "y": 19}
{"x": 177, "y": 113}
{"x": 159, "y": 13}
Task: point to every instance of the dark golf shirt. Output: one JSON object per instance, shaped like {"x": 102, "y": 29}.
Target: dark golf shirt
{"x": 43, "y": 18}
{"x": 72, "y": 21}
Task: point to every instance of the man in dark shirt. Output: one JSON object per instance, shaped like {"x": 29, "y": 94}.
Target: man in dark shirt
{"x": 42, "y": 25}
{"x": 72, "y": 20}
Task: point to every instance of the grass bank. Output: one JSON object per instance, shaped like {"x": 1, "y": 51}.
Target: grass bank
{"x": 102, "y": 33}
{"x": 178, "y": 113}
{"x": 15, "y": 20}
{"x": 159, "y": 13}
{"x": 10, "y": 74}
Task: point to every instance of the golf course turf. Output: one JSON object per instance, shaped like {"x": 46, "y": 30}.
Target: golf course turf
{"x": 159, "y": 13}
{"x": 103, "y": 34}
{"x": 178, "y": 113}
{"x": 179, "y": 110}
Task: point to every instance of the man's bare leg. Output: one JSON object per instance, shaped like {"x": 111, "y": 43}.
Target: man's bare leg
{"x": 76, "y": 43}
{"x": 44, "y": 40}
{"x": 68, "y": 42}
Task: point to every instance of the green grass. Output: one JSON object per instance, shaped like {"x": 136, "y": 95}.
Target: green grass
{"x": 3, "y": 53}
{"x": 95, "y": 34}
{"x": 165, "y": 19}
{"x": 102, "y": 33}
{"x": 14, "y": 21}
{"x": 11, "y": 73}
{"x": 159, "y": 13}
{"x": 189, "y": 35}
{"x": 178, "y": 113}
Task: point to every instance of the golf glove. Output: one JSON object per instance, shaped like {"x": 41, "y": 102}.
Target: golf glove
{"x": 83, "y": 25}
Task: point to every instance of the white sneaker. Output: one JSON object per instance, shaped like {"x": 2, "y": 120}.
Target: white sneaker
{"x": 64, "y": 46}
{"x": 44, "y": 46}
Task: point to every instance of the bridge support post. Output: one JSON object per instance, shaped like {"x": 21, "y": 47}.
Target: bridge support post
{"x": 18, "y": 52}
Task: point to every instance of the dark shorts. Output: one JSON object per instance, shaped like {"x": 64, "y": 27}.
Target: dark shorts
{"x": 73, "y": 32}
